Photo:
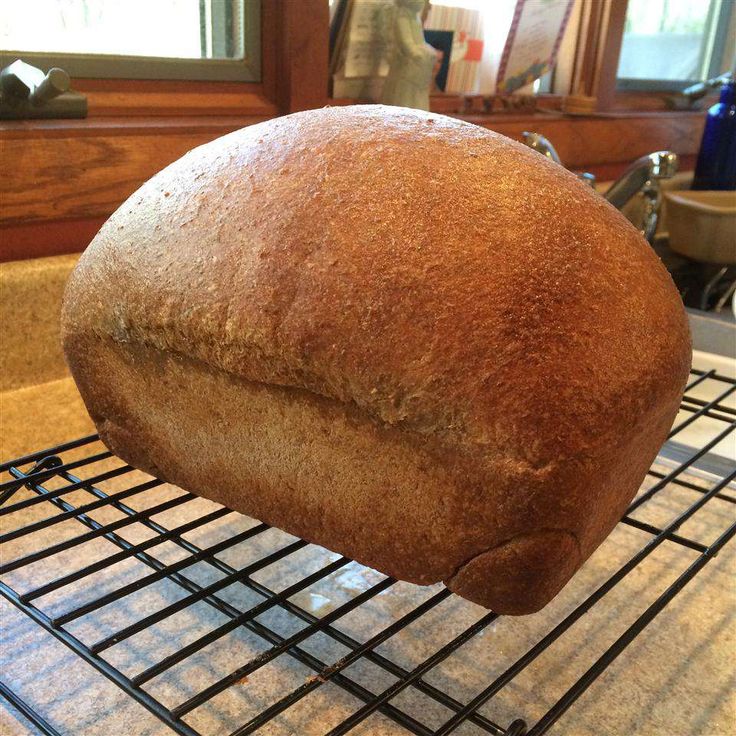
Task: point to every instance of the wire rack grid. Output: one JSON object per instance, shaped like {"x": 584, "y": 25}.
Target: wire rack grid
{"x": 86, "y": 536}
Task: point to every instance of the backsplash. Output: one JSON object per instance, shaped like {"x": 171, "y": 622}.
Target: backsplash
{"x": 30, "y": 300}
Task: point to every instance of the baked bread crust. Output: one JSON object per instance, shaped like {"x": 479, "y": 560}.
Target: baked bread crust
{"x": 422, "y": 345}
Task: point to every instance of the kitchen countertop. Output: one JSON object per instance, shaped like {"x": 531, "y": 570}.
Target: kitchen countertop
{"x": 677, "y": 678}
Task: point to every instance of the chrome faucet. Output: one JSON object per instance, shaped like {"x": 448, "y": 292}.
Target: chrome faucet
{"x": 643, "y": 176}
{"x": 539, "y": 143}
{"x": 543, "y": 145}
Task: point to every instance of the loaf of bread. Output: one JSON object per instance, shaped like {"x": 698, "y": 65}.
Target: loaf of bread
{"x": 398, "y": 335}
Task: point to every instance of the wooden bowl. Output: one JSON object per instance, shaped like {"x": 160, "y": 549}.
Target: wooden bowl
{"x": 702, "y": 225}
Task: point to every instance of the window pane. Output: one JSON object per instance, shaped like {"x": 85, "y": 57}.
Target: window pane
{"x": 668, "y": 39}
{"x": 185, "y": 29}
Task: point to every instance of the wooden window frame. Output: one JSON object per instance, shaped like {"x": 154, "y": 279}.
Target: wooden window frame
{"x": 116, "y": 66}
{"x": 591, "y": 85}
{"x": 293, "y": 75}
{"x": 721, "y": 23}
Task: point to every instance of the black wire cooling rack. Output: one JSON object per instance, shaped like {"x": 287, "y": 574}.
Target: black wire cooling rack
{"x": 61, "y": 504}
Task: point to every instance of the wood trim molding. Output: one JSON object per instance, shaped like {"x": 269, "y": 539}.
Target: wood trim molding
{"x": 612, "y": 141}
{"x": 31, "y": 130}
{"x": 302, "y": 56}
{"x": 146, "y": 98}
{"x": 653, "y": 101}
{"x": 597, "y": 51}
{"x": 88, "y": 172}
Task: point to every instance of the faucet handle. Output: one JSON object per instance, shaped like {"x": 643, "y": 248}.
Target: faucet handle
{"x": 588, "y": 178}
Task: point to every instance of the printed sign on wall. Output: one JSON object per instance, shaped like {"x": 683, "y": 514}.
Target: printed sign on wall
{"x": 533, "y": 42}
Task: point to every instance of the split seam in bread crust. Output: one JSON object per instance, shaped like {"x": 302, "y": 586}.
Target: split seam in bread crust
{"x": 523, "y": 535}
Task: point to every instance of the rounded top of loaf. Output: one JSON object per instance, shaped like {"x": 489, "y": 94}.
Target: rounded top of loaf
{"x": 434, "y": 274}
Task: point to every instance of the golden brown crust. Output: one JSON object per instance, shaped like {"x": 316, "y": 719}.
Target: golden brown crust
{"x": 436, "y": 281}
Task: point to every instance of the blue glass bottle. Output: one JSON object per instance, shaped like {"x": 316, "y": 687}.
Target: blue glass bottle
{"x": 716, "y": 167}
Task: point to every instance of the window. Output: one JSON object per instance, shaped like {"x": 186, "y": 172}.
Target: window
{"x": 136, "y": 39}
{"x": 669, "y": 44}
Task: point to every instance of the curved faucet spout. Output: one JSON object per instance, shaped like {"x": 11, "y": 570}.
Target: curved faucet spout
{"x": 644, "y": 176}
{"x": 650, "y": 168}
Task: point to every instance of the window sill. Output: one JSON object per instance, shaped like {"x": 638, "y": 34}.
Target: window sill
{"x": 225, "y": 121}
{"x": 134, "y": 125}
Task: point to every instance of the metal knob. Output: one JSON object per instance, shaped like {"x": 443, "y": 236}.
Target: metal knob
{"x": 588, "y": 178}
{"x": 55, "y": 82}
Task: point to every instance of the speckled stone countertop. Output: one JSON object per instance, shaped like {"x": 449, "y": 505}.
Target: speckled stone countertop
{"x": 676, "y": 679}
